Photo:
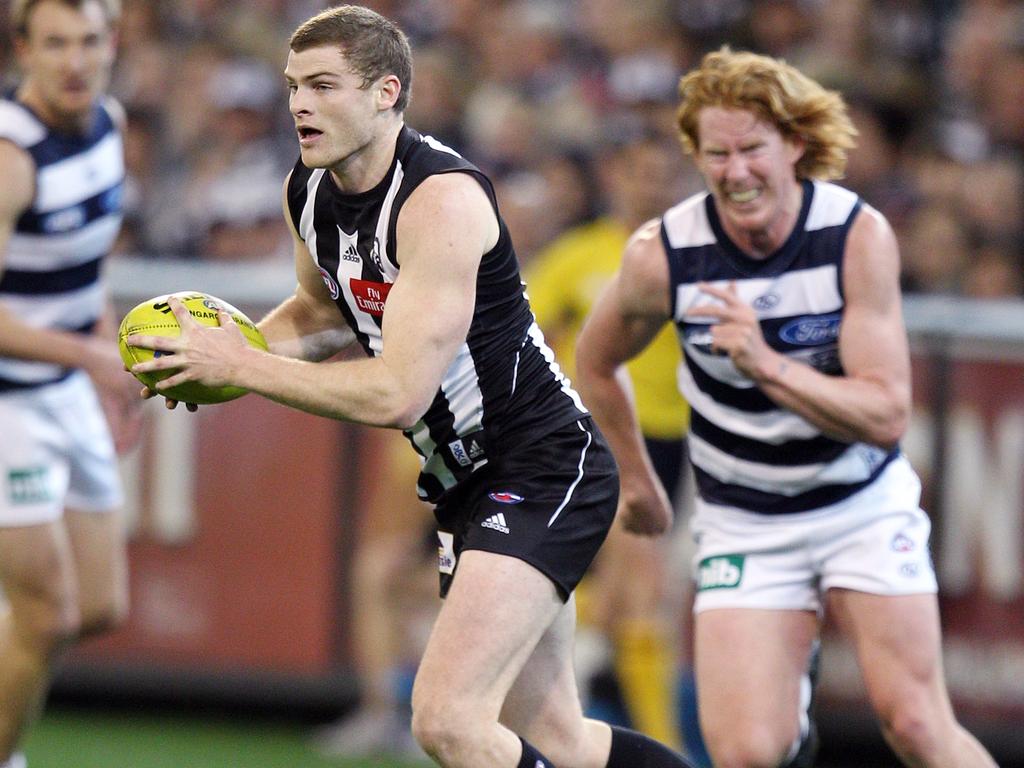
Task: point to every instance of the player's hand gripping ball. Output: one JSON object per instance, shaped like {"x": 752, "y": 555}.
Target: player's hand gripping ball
{"x": 155, "y": 318}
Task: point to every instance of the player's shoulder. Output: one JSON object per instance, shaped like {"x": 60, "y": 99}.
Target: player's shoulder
{"x": 686, "y": 224}
{"x": 644, "y": 263}
{"x": 18, "y": 170}
{"x": 19, "y": 126}
{"x": 645, "y": 241}
{"x": 115, "y": 111}
{"x": 442, "y": 190}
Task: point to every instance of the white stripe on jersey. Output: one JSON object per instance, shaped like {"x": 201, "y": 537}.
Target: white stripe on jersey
{"x": 687, "y": 225}
{"x": 70, "y": 309}
{"x": 18, "y": 125}
{"x": 830, "y": 207}
{"x": 854, "y": 465}
{"x": 348, "y": 270}
{"x": 381, "y": 231}
{"x": 435, "y": 144}
{"x": 537, "y": 337}
{"x": 801, "y": 292}
{"x": 774, "y": 427}
{"x": 461, "y": 387}
{"x": 28, "y": 372}
{"x": 306, "y": 219}
{"x": 435, "y": 466}
{"x": 46, "y": 253}
{"x": 81, "y": 176}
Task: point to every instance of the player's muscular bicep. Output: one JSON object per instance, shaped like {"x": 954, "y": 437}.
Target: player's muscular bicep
{"x": 443, "y": 231}
{"x": 632, "y": 308}
{"x": 873, "y": 341}
{"x": 18, "y": 174}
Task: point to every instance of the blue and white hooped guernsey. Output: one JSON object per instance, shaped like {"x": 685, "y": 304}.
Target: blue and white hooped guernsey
{"x": 52, "y": 276}
{"x": 748, "y": 453}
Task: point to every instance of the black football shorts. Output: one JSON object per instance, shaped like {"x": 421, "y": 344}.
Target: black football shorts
{"x": 549, "y": 503}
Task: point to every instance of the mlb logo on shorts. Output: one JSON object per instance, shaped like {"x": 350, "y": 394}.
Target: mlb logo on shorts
{"x": 720, "y": 572}
{"x": 29, "y": 486}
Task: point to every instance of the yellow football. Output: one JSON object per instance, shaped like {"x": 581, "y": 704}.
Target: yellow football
{"x": 155, "y": 318}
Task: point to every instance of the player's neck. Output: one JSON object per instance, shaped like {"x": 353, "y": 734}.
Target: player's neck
{"x": 366, "y": 168}
{"x": 762, "y": 242}
{"x": 71, "y": 123}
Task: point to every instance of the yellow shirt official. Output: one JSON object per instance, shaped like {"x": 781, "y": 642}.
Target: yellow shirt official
{"x": 564, "y": 280}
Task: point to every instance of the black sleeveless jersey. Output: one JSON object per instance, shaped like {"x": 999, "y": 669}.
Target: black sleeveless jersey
{"x": 503, "y": 389}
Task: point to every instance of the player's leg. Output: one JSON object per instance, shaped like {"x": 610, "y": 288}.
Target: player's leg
{"x": 39, "y": 618}
{"x": 101, "y": 568}
{"x": 543, "y": 707}
{"x": 389, "y": 543}
{"x": 39, "y": 609}
{"x": 645, "y": 621}
{"x": 494, "y": 616}
{"x": 93, "y": 504}
{"x": 634, "y": 606}
{"x": 750, "y": 663}
{"x": 898, "y": 644}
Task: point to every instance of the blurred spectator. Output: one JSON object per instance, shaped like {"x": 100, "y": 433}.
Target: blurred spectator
{"x": 991, "y": 196}
{"x": 935, "y": 91}
{"x": 936, "y": 249}
{"x": 994, "y": 273}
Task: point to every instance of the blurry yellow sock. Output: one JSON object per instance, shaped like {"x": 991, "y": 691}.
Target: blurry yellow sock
{"x": 645, "y": 665}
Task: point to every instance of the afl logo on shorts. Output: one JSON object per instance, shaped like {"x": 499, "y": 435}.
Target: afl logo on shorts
{"x": 505, "y": 497}
{"x": 903, "y": 543}
{"x": 330, "y": 282}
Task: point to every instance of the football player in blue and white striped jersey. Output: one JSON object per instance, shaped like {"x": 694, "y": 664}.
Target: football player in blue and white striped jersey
{"x": 62, "y": 559}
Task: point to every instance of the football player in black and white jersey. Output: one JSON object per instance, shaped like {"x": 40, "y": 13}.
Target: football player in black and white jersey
{"x": 784, "y": 292}
{"x": 62, "y": 560}
{"x": 399, "y": 247}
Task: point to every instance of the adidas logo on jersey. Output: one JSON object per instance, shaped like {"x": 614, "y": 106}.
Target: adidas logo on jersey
{"x": 351, "y": 254}
{"x": 497, "y": 522}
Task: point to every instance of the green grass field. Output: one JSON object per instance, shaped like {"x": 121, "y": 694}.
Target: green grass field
{"x": 70, "y": 738}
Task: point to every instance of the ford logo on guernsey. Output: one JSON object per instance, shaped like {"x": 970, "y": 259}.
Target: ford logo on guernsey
{"x": 808, "y": 331}
{"x": 505, "y": 497}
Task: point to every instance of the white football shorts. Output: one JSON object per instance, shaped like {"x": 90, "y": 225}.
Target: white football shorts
{"x": 55, "y": 452}
{"x": 875, "y": 541}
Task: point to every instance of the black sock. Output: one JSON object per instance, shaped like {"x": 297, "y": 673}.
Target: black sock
{"x": 634, "y": 750}
{"x": 532, "y": 758}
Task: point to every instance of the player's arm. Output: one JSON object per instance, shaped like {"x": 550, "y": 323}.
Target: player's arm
{"x": 17, "y": 338}
{"x": 307, "y": 325}
{"x": 627, "y": 316}
{"x": 871, "y": 401}
{"x": 443, "y": 230}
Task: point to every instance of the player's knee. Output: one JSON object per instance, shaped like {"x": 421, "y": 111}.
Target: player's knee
{"x": 103, "y": 617}
{"x": 911, "y": 730}
{"x": 47, "y": 626}
{"x": 753, "y": 746}
{"x": 439, "y": 727}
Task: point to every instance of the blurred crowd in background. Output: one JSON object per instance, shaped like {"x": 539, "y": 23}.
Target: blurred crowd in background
{"x": 542, "y": 93}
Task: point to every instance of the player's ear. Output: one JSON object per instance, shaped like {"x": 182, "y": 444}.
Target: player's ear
{"x": 388, "y": 89}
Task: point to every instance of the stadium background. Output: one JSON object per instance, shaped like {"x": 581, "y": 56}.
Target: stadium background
{"x": 238, "y": 636}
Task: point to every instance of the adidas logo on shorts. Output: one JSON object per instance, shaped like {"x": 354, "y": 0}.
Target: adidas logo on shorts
{"x": 497, "y": 522}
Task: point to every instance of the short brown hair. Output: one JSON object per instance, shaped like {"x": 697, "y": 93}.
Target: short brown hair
{"x": 373, "y": 45}
{"x": 777, "y": 93}
{"x": 22, "y": 9}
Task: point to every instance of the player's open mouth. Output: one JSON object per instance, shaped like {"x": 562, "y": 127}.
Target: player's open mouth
{"x": 308, "y": 135}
